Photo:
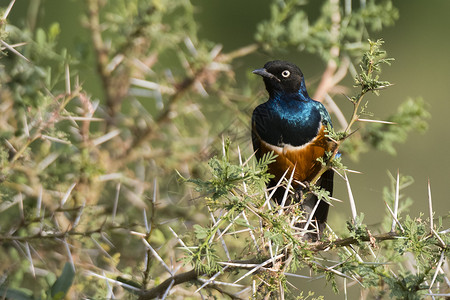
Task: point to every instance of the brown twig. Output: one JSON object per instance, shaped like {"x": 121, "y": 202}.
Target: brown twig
{"x": 159, "y": 290}
{"x": 115, "y": 86}
{"x": 327, "y": 80}
{"x": 352, "y": 241}
{"x": 189, "y": 276}
{"x": 184, "y": 86}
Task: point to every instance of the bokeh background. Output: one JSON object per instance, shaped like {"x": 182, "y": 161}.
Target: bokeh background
{"x": 419, "y": 41}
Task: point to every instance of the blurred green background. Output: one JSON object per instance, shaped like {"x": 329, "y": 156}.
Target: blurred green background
{"x": 419, "y": 42}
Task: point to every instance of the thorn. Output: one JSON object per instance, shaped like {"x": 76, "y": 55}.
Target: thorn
{"x": 39, "y": 202}
{"x": 8, "y": 10}
{"x": 298, "y": 276}
{"x": 211, "y": 279}
{"x": 155, "y": 188}
{"x": 240, "y": 163}
{"x": 153, "y": 86}
{"x": 354, "y": 171}
{"x": 441, "y": 260}
{"x": 223, "y": 146}
{"x": 15, "y": 45}
{"x": 127, "y": 286}
{"x": 156, "y": 255}
{"x": 248, "y": 159}
{"x": 251, "y": 231}
{"x": 147, "y": 227}
{"x": 394, "y": 218}
{"x": 376, "y": 121}
{"x": 310, "y": 217}
{"x": 116, "y": 201}
{"x": 22, "y": 215}
{"x": 396, "y": 200}
{"x": 100, "y": 247}
{"x": 67, "y": 81}
{"x": 180, "y": 240}
{"x": 25, "y": 125}
{"x": 258, "y": 267}
{"x": 286, "y": 192}
{"x": 110, "y": 294}
{"x": 430, "y": 206}
{"x": 106, "y": 137}
{"x": 114, "y": 63}
{"x": 168, "y": 290}
{"x": 66, "y": 244}
{"x": 75, "y": 118}
{"x": 350, "y": 134}
{"x": 14, "y": 50}
{"x": 277, "y": 186}
{"x": 67, "y": 194}
{"x": 51, "y": 138}
{"x": 30, "y": 259}
{"x": 190, "y": 46}
{"x": 441, "y": 241}
{"x": 80, "y": 212}
{"x": 351, "y": 199}
{"x": 223, "y": 283}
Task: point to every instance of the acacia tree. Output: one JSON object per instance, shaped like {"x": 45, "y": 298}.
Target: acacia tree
{"x": 90, "y": 203}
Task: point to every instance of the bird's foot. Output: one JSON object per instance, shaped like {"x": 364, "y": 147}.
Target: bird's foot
{"x": 300, "y": 193}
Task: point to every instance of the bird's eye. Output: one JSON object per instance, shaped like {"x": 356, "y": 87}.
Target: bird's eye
{"x": 285, "y": 73}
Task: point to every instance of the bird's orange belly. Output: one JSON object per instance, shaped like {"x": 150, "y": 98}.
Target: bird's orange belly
{"x": 303, "y": 159}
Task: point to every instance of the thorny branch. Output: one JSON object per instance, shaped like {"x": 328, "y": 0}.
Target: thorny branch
{"x": 180, "y": 90}
{"x": 193, "y": 275}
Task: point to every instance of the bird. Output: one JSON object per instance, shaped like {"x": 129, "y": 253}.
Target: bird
{"x": 293, "y": 126}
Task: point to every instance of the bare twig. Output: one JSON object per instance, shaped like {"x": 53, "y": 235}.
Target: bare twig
{"x": 327, "y": 80}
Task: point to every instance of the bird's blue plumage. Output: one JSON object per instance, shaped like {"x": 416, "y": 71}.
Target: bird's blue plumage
{"x": 292, "y": 125}
{"x": 293, "y": 119}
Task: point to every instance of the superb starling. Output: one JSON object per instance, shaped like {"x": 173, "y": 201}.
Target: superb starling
{"x": 292, "y": 125}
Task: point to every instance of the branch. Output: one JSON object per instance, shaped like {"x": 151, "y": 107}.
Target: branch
{"x": 181, "y": 89}
{"x": 191, "y": 276}
{"x": 115, "y": 87}
{"x": 57, "y": 235}
{"x": 352, "y": 241}
{"x": 320, "y": 246}
{"x": 194, "y": 274}
{"x": 159, "y": 290}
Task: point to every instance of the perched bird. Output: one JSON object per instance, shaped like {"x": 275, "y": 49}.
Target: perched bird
{"x": 292, "y": 125}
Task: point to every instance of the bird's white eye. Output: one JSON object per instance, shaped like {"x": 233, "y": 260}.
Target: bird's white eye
{"x": 285, "y": 73}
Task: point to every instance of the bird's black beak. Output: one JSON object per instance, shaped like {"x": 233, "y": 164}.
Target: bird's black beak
{"x": 263, "y": 72}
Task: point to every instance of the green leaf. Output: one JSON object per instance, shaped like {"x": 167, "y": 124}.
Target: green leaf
{"x": 62, "y": 285}
{"x": 200, "y": 232}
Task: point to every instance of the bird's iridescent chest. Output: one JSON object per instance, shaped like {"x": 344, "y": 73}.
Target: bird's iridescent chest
{"x": 283, "y": 122}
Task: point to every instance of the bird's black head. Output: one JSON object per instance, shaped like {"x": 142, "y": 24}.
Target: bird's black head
{"x": 282, "y": 76}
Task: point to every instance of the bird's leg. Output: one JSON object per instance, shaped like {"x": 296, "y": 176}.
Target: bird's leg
{"x": 298, "y": 195}
{"x": 301, "y": 192}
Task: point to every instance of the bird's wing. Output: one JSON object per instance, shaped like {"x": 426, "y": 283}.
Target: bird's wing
{"x": 323, "y": 113}
{"x": 260, "y": 120}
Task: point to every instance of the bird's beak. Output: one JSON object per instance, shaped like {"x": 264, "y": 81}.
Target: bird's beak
{"x": 263, "y": 72}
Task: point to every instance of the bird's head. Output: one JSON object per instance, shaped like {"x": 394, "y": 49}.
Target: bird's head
{"x": 282, "y": 77}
